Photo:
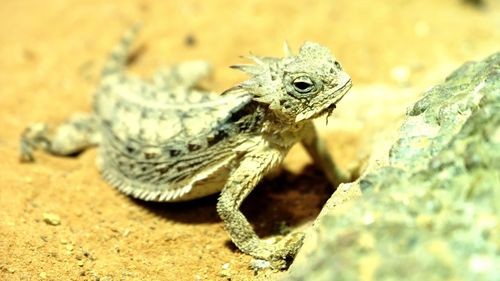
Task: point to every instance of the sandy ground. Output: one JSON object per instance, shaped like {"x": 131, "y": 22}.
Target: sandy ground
{"x": 51, "y": 53}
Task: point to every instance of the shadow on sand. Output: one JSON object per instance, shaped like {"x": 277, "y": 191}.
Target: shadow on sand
{"x": 276, "y": 204}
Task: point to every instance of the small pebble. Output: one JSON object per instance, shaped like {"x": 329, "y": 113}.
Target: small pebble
{"x": 258, "y": 264}
{"x": 51, "y": 219}
{"x": 226, "y": 271}
{"x": 190, "y": 40}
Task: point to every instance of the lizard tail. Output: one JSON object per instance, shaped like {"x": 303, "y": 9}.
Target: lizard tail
{"x": 118, "y": 58}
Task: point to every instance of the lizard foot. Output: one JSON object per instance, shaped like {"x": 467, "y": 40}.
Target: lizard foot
{"x": 278, "y": 255}
{"x": 33, "y": 137}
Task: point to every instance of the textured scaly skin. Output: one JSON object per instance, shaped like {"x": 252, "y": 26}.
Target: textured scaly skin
{"x": 167, "y": 140}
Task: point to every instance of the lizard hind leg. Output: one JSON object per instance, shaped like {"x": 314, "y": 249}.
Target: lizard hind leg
{"x": 72, "y": 136}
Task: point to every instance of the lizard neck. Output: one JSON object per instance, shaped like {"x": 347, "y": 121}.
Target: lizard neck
{"x": 282, "y": 132}
{"x": 256, "y": 118}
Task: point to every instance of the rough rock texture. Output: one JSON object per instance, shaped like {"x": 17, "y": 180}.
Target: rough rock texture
{"x": 432, "y": 212}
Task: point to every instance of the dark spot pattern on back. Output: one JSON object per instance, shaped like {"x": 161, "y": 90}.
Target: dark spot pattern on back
{"x": 194, "y": 147}
{"x": 174, "y": 152}
{"x": 150, "y": 155}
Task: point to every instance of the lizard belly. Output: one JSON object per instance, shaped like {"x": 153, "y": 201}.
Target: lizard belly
{"x": 206, "y": 184}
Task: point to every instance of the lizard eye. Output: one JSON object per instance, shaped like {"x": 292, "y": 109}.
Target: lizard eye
{"x": 303, "y": 85}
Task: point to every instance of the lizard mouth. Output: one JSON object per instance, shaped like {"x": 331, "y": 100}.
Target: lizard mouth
{"x": 329, "y": 109}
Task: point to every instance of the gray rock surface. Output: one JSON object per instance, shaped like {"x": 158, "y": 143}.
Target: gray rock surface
{"x": 432, "y": 212}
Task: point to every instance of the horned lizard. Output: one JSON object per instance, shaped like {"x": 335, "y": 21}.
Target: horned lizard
{"x": 167, "y": 140}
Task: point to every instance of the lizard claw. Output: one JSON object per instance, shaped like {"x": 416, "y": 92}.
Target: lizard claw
{"x": 32, "y": 137}
{"x": 281, "y": 254}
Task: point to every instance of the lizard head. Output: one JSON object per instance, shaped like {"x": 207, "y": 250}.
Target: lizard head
{"x": 297, "y": 87}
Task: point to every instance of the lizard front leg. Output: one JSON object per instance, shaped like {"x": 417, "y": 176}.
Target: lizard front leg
{"x": 72, "y": 136}
{"x": 241, "y": 182}
{"x": 321, "y": 157}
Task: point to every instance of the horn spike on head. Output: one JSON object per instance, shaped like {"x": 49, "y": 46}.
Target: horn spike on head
{"x": 287, "y": 50}
{"x": 256, "y": 59}
{"x": 248, "y": 68}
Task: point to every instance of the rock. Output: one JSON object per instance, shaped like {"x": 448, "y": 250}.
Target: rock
{"x": 226, "y": 271}
{"x": 51, "y": 219}
{"x": 431, "y": 212}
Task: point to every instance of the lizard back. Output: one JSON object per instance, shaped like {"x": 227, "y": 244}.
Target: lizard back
{"x": 161, "y": 138}
{"x": 158, "y": 143}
